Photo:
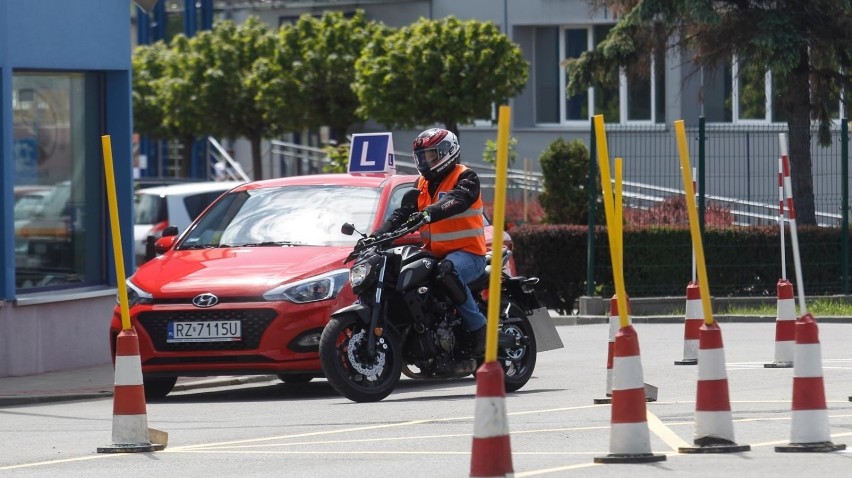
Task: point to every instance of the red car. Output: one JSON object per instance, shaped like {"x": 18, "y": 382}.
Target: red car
{"x": 249, "y": 286}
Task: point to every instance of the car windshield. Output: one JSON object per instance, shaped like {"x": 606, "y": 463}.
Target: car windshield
{"x": 290, "y": 215}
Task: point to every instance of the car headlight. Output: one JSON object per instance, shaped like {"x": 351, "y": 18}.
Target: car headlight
{"x": 358, "y": 274}
{"x": 321, "y": 287}
{"x": 136, "y": 295}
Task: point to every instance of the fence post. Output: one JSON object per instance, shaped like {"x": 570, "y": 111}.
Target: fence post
{"x": 844, "y": 202}
{"x": 590, "y": 242}
{"x": 702, "y": 190}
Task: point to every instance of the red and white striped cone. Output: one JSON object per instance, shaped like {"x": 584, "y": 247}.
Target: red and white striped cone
{"x": 691, "y": 324}
{"x": 630, "y": 440}
{"x": 714, "y": 427}
{"x": 613, "y": 329}
{"x": 130, "y": 431}
{"x": 809, "y": 426}
{"x": 785, "y": 327}
{"x": 491, "y": 454}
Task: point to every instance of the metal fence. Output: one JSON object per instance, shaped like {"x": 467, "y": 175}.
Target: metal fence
{"x": 741, "y": 168}
{"x": 740, "y": 176}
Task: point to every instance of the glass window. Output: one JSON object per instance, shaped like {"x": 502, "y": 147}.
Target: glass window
{"x": 642, "y": 99}
{"x": 717, "y": 94}
{"x": 53, "y": 114}
{"x": 576, "y": 42}
{"x": 547, "y": 89}
{"x": 751, "y": 91}
{"x": 606, "y": 99}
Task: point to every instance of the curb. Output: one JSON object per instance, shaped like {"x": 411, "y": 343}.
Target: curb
{"x": 675, "y": 319}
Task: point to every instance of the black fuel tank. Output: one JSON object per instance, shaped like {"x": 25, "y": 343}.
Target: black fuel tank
{"x": 417, "y": 266}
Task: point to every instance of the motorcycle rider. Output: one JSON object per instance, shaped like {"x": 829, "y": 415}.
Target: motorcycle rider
{"x": 451, "y": 205}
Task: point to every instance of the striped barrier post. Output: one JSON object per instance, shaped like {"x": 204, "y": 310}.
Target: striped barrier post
{"x": 785, "y": 327}
{"x": 691, "y": 325}
{"x": 130, "y": 432}
{"x": 630, "y": 440}
{"x": 491, "y": 454}
{"x": 714, "y": 426}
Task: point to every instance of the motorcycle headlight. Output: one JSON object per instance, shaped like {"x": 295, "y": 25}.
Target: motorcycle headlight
{"x": 321, "y": 287}
{"x": 135, "y": 295}
{"x": 358, "y": 274}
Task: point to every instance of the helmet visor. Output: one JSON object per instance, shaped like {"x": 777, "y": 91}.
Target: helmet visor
{"x": 427, "y": 157}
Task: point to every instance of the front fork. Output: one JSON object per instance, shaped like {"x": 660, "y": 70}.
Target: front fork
{"x": 378, "y": 309}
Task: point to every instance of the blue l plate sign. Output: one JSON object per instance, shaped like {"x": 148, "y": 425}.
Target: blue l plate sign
{"x": 371, "y": 153}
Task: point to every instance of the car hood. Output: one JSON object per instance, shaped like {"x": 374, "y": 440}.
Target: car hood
{"x": 236, "y": 271}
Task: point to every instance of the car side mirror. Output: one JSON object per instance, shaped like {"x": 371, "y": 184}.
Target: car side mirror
{"x": 170, "y": 231}
{"x": 347, "y": 229}
{"x": 165, "y": 243}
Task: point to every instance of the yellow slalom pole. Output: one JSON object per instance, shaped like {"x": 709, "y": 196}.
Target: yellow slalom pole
{"x": 497, "y": 242}
{"x": 697, "y": 246}
{"x": 612, "y": 228}
{"x": 116, "y": 232}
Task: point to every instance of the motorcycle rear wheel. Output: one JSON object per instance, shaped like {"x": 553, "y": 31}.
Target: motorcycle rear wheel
{"x": 349, "y": 367}
{"x": 519, "y": 362}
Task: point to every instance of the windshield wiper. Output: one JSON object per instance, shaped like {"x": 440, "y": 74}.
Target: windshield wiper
{"x": 271, "y": 243}
{"x": 199, "y": 246}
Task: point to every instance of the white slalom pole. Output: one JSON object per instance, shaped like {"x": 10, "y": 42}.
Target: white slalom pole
{"x": 797, "y": 260}
{"x": 695, "y": 189}
{"x": 781, "y": 214}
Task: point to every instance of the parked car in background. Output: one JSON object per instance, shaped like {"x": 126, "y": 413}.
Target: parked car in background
{"x": 156, "y": 208}
{"x": 248, "y": 288}
{"x": 154, "y": 181}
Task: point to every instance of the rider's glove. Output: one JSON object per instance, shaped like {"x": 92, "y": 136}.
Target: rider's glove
{"x": 364, "y": 240}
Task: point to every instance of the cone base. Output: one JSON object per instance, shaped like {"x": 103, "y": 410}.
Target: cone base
{"x": 630, "y": 458}
{"x": 778, "y": 365}
{"x": 818, "y": 447}
{"x": 599, "y": 401}
{"x": 686, "y": 362}
{"x": 131, "y": 448}
{"x": 714, "y": 449}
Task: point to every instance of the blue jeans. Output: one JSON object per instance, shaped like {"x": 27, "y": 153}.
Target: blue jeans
{"x": 468, "y": 266}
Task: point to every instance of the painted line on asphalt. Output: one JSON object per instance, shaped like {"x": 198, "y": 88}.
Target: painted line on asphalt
{"x": 664, "y": 433}
{"x": 56, "y": 462}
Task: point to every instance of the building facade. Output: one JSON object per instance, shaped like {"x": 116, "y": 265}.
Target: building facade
{"x": 64, "y": 83}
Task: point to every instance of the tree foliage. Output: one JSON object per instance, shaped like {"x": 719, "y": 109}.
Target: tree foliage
{"x": 805, "y": 44}
{"x": 442, "y": 71}
{"x": 318, "y": 55}
{"x": 148, "y": 62}
{"x": 565, "y": 171}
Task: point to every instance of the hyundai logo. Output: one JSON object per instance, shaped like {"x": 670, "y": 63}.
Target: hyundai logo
{"x": 205, "y": 300}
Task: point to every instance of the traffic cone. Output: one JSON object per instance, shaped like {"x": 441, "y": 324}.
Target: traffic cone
{"x": 691, "y": 324}
{"x": 630, "y": 440}
{"x": 613, "y": 329}
{"x": 130, "y": 432}
{"x": 491, "y": 454}
{"x": 809, "y": 427}
{"x": 785, "y": 327}
{"x": 714, "y": 427}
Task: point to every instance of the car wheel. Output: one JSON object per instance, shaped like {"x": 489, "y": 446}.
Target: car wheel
{"x": 295, "y": 377}
{"x": 156, "y": 388}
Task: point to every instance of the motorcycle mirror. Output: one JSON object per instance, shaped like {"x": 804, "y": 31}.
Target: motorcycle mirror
{"x": 347, "y": 229}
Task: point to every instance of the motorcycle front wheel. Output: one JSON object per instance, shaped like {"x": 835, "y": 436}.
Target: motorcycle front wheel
{"x": 518, "y": 362}
{"x": 348, "y": 365}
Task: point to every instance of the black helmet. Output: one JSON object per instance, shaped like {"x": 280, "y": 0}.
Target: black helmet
{"x": 436, "y": 152}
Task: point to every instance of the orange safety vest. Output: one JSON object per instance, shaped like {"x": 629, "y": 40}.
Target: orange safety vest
{"x": 464, "y": 231}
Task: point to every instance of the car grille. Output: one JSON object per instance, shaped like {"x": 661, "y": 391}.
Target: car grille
{"x": 253, "y": 323}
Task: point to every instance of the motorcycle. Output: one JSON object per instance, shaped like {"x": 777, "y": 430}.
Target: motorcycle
{"x": 405, "y": 321}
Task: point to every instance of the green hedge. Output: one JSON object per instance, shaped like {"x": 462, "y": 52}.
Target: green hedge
{"x": 658, "y": 261}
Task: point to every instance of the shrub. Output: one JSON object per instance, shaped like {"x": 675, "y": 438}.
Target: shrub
{"x": 565, "y": 171}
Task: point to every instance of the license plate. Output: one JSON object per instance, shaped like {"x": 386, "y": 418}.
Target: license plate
{"x": 212, "y": 331}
